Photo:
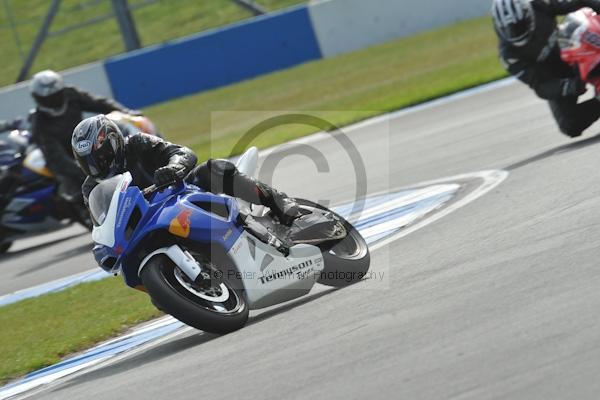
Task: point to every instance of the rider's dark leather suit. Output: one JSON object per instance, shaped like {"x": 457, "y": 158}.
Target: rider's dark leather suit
{"x": 53, "y": 135}
{"x": 146, "y": 153}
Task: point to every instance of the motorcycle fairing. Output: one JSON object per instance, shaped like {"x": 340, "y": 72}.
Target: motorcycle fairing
{"x": 35, "y": 161}
{"x": 175, "y": 205}
{"x": 268, "y": 276}
{"x": 580, "y": 42}
{"x": 187, "y": 215}
{"x": 17, "y": 216}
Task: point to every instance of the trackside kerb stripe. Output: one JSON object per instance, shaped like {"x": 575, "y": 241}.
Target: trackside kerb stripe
{"x": 54, "y": 286}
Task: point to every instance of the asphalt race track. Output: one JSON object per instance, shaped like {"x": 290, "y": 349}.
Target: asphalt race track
{"x": 37, "y": 260}
{"x": 496, "y": 300}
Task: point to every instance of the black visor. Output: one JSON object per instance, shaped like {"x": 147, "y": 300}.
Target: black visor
{"x": 98, "y": 163}
{"x": 518, "y": 30}
{"x": 53, "y": 101}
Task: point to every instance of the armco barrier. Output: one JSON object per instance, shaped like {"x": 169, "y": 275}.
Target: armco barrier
{"x": 347, "y": 25}
{"x": 217, "y": 58}
{"x": 15, "y": 100}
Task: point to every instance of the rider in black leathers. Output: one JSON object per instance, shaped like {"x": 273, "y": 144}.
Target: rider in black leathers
{"x": 528, "y": 45}
{"x": 101, "y": 151}
{"x": 143, "y": 154}
{"x": 59, "y": 109}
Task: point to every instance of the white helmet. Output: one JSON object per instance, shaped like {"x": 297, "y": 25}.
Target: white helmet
{"x": 47, "y": 89}
{"x": 514, "y": 20}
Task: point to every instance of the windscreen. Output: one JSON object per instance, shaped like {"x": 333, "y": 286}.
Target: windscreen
{"x": 11, "y": 146}
{"x": 569, "y": 32}
{"x": 101, "y": 197}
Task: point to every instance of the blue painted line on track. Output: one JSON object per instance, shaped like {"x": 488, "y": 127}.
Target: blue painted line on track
{"x": 401, "y": 211}
{"x": 419, "y": 210}
{"x": 371, "y": 202}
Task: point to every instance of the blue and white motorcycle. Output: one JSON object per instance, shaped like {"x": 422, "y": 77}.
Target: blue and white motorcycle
{"x": 208, "y": 259}
{"x": 29, "y": 204}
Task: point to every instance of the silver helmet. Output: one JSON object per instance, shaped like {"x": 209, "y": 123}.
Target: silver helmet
{"x": 48, "y": 91}
{"x": 514, "y": 20}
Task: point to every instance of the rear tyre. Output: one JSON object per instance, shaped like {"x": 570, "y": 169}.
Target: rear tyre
{"x": 346, "y": 261}
{"x": 218, "y": 309}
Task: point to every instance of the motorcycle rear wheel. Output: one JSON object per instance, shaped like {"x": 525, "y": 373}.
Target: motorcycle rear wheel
{"x": 219, "y": 309}
{"x": 346, "y": 261}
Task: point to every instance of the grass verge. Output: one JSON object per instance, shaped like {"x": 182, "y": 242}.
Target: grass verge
{"x": 38, "y": 332}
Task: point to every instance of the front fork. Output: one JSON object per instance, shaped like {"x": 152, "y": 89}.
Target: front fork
{"x": 183, "y": 259}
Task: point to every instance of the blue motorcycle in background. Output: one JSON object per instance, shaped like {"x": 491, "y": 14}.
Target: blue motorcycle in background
{"x": 28, "y": 198}
{"x": 29, "y": 202}
{"x": 208, "y": 259}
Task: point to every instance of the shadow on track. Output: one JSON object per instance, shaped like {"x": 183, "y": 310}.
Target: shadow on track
{"x": 65, "y": 255}
{"x": 290, "y": 305}
{"x": 175, "y": 346}
{"x": 165, "y": 350}
{"x": 565, "y": 148}
{"x": 10, "y": 255}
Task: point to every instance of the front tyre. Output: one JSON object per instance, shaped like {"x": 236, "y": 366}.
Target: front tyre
{"x": 345, "y": 261}
{"x": 218, "y": 309}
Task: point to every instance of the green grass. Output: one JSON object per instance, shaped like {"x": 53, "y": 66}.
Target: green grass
{"x": 158, "y": 22}
{"x": 350, "y": 87}
{"x": 38, "y": 332}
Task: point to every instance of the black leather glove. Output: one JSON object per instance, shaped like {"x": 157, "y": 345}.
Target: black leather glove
{"x": 165, "y": 175}
{"x": 572, "y": 87}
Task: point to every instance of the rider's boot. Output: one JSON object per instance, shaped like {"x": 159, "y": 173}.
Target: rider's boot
{"x": 221, "y": 176}
{"x": 283, "y": 206}
{"x": 253, "y": 191}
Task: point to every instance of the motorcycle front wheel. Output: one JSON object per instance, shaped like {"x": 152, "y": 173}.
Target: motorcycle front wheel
{"x": 215, "y": 309}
